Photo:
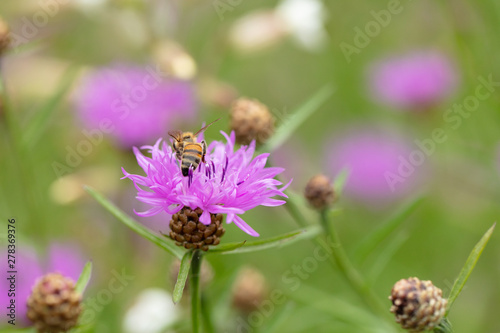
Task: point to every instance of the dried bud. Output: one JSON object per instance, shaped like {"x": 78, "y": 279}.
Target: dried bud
{"x": 188, "y": 231}
{"x": 4, "y": 35}
{"x": 54, "y": 305}
{"x": 319, "y": 192}
{"x": 251, "y": 120}
{"x": 206, "y": 273}
{"x": 249, "y": 290}
{"x": 418, "y": 305}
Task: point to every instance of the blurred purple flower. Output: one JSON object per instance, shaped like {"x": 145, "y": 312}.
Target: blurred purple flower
{"x": 62, "y": 258}
{"x": 231, "y": 182}
{"x": 136, "y": 103}
{"x": 371, "y": 156}
{"x": 414, "y": 81}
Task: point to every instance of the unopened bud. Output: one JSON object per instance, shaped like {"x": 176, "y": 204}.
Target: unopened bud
{"x": 251, "y": 120}
{"x": 54, "y": 305}
{"x": 249, "y": 290}
{"x": 418, "y": 305}
{"x": 319, "y": 192}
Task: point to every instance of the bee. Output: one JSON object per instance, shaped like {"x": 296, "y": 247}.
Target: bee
{"x": 188, "y": 150}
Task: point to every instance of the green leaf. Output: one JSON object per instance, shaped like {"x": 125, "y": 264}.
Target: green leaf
{"x": 340, "y": 181}
{"x": 274, "y": 242}
{"x": 381, "y": 261}
{"x": 339, "y": 309}
{"x": 84, "y": 278}
{"x": 182, "y": 276}
{"x": 41, "y": 117}
{"x": 291, "y": 124}
{"x": 134, "y": 225}
{"x": 282, "y": 315}
{"x": 444, "y": 327}
{"x": 370, "y": 242}
{"x": 468, "y": 267}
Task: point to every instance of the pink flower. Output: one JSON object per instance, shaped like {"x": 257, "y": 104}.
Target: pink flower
{"x": 415, "y": 81}
{"x": 135, "y": 103}
{"x": 230, "y": 182}
{"x": 374, "y": 160}
{"x": 61, "y": 258}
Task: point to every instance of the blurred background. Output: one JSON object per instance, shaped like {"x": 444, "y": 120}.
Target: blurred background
{"x": 414, "y": 113}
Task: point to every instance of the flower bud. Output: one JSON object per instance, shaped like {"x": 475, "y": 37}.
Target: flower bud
{"x": 251, "y": 120}
{"x": 54, "y": 305}
{"x": 319, "y": 192}
{"x": 188, "y": 231}
{"x": 4, "y": 35}
{"x": 249, "y": 290}
{"x": 418, "y": 305}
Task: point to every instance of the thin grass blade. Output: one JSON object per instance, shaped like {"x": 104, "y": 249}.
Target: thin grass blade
{"x": 274, "y": 242}
{"x": 84, "y": 278}
{"x": 182, "y": 277}
{"x": 370, "y": 242}
{"x": 468, "y": 267}
{"x": 134, "y": 225}
{"x": 291, "y": 124}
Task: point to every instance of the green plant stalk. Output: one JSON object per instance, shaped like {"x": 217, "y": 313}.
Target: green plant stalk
{"x": 195, "y": 290}
{"x": 347, "y": 269}
{"x": 206, "y": 315}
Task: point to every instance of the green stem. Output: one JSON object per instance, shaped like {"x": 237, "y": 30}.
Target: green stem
{"x": 195, "y": 290}
{"x": 348, "y": 270}
{"x": 206, "y": 315}
{"x": 294, "y": 210}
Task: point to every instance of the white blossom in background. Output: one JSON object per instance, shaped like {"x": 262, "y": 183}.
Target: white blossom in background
{"x": 257, "y": 31}
{"x": 152, "y": 311}
{"x": 305, "y": 20}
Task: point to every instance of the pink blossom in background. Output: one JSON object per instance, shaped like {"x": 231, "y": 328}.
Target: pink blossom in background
{"x": 371, "y": 156}
{"x": 137, "y": 102}
{"x": 63, "y": 258}
{"x": 414, "y": 81}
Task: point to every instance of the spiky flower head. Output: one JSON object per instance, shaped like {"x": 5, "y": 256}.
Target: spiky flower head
{"x": 251, "y": 120}
{"x": 187, "y": 230}
{"x": 54, "y": 305}
{"x": 319, "y": 192}
{"x": 418, "y": 305}
{"x": 230, "y": 182}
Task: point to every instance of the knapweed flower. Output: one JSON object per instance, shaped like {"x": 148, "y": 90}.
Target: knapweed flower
{"x": 61, "y": 258}
{"x": 230, "y": 182}
{"x": 134, "y": 104}
{"x": 418, "y": 305}
{"x": 380, "y": 164}
{"x": 416, "y": 81}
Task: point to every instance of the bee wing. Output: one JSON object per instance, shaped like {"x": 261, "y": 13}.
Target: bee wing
{"x": 205, "y": 127}
{"x": 177, "y": 135}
